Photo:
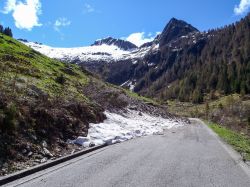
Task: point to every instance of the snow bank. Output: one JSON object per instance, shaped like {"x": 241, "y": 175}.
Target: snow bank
{"x": 119, "y": 128}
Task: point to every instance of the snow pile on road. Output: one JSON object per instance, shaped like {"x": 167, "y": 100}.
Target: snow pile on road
{"x": 119, "y": 128}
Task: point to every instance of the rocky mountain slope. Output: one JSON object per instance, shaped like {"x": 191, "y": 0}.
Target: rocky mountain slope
{"x": 44, "y": 103}
{"x": 117, "y": 61}
{"x": 181, "y": 63}
{"x": 122, "y": 44}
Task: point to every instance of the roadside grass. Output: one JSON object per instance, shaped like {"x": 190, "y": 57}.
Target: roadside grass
{"x": 232, "y": 111}
{"x": 189, "y": 109}
{"x": 239, "y": 142}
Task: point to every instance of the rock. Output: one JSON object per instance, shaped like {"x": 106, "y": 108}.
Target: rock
{"x": 43, "y": 160}
{"x": 70, "y": 141}
{"x": 21, "y": 80}
{"x": 37, "y": 161}
{"x": 33, "y": 137}
{"x": 44, "y": 144}
{"x": 43, "y": 131}
{"x": 28, "y": 147}
{"x": 92, "y": 144}
{"x": 38, "y": 156}
{"x": 30, "y": 154}
{"x": 24, "y": 151}
{"x": 36, "y": 92}
{"x": 133, "y": 108}
{"x": 5, "y": 165}
{"x": 140, "y": 114}
{"x": 47, "y": 153}
{"x": 138, "y": 131}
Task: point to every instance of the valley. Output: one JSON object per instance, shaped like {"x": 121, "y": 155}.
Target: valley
{"x": 55, "y": 102}
{"x": 181, "y": 65}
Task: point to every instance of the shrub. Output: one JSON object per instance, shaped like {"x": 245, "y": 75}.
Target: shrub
{"x": 61, "y": 79}
{"x": 9, "y": 119}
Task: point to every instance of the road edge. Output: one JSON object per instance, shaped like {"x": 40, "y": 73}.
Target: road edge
{"x": 229, "y": 149}
{"x": 24, "y": 173}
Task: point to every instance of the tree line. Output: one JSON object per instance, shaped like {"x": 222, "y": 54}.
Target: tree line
{"x": 217, "y": 64}
{"x": 7, "y": 31}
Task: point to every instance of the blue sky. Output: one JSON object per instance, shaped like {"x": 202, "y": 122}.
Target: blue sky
{"x": 71, "y": 23}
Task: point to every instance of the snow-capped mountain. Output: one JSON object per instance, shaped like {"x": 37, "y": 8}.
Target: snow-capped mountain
{"x": 122, "y": 44}
{"x": 122, "y": 63}
{"x": 107, "y": 50}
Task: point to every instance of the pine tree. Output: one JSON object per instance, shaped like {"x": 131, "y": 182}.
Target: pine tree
{"x": 1, "y": 29}
{"x": 7, "y": 31}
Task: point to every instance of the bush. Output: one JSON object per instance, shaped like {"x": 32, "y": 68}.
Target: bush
{"x": 197, "y": 96}
{"x": 8, "y": 122}
{"x": 61, "y": 79}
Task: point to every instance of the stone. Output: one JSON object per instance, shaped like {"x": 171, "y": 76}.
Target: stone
{"x": 47, "y": 153}
{"x": 33, "y": 137}
{"x": 92, "y": 144}
{"x": 44, "y": 144}
{"x": 24, "y": 151}
{"x": 43, "y": 160}
{"x": 30, "y": 153}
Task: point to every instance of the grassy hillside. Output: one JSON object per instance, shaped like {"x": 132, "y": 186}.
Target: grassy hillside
{"x": 20, "y": 64}
{"x": 231, "y": 111}
{"x": 40, "y": 100}
{"x": 45, "y": 100}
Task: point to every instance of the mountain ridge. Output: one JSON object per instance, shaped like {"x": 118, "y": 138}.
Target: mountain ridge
{"x": 158, "y": 65}
{"x": 122, "y": 44}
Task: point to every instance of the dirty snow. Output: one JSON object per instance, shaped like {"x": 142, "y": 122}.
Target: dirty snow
{"x": 119, "y": 128}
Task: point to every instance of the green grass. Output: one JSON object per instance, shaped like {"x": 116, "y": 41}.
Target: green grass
{"x": 141, "y": 98}
{"x": 189, "y": 109}
{"x": 239, "y": 142}
{"x": 19, "y": 61}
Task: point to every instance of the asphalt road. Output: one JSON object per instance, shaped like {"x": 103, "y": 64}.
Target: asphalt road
{"x": 188, "y": 156}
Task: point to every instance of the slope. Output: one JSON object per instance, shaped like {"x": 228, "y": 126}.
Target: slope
{"x": 44, "y": 102}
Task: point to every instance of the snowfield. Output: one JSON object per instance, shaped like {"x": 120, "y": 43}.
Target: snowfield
{"x": 95, "y": 53}
{"x": 119, "y": 128}
{"x": 100, "y": 53}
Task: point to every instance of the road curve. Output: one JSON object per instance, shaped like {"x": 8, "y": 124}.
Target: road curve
{"x": 188, "y": 156}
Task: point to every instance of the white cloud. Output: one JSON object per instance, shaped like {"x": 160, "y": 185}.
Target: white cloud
{"x": 242, "y": 7}
{"x": 88, "y": 8}
{"x": 61, "y": 22}
{"x": 25, "y": 13}
{"x": 140, "y": 38}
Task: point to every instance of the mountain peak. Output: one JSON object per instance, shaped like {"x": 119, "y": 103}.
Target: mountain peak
{"x": 122, "y": 44}
{"x": 173, "y": 19}
{"x": 174, "y": 29}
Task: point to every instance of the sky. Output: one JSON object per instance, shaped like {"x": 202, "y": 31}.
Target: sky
{"x": 74, "y": 23}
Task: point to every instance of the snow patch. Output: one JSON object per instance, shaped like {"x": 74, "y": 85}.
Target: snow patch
{"x": 129, "y": 84}
{"x": 102, "y": 53}
{"x": 119, "y": 128}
